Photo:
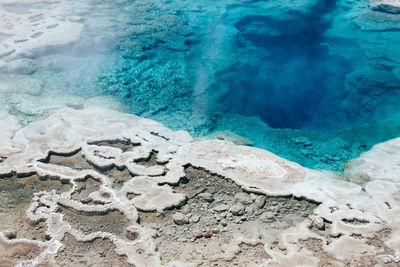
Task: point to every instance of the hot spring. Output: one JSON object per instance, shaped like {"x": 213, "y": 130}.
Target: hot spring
{"x": 316, "y": 82}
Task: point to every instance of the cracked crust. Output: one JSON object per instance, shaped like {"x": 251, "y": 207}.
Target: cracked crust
{"x": 120, "y": 167}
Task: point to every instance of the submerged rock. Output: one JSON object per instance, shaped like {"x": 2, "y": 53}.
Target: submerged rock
{"x": 228, "y": 136}
{"x": 390, "y": 6}
{"x": 22, "y": 66}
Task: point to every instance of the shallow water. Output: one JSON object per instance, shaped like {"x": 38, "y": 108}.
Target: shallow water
{"x": 315, "y": 82}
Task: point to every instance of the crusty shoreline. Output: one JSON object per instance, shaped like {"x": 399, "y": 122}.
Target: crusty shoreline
{"x": 348, "y": 224}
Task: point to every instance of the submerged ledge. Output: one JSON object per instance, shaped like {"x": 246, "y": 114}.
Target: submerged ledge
{"x": 328, "y": 70}
{"x": 247, "y": 204}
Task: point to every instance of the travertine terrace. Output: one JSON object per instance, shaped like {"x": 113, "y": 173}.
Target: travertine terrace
{"x": 133, "y": 184}
{"x": 83, "y": 183}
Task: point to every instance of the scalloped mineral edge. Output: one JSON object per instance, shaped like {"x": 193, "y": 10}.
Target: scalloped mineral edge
{"x": 376, "y": 202}
{"x": 390, "y": 6}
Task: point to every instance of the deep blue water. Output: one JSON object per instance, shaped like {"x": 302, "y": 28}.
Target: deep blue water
{"x": 316, "y": 82}
{"x": 260, "y": 69}
{"x": 295, "y": 77}
{"x": 277, "y": 66}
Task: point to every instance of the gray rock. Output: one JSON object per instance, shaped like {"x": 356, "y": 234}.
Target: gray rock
{"x": 260, "y": 202}
{"x": 195, "y": 219}
{"x": 244, "y": 198}
{"x": 250, "y": 210}
{"x": 237, "y": 209}
{"x": 267, "y": 216}
{"x": 221, "y": 207}
{"x": 215, "y": 231}
{"x": 186, "y": 209}
{"x": 197, "y": 234}
{"x": 217, "y": 218}
{"x": 238, "y": 221}
{"x": 206, "y": 197}
{"x": 180, "y": 218}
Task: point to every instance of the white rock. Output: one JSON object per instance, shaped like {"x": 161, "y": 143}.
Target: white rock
{"x": 390, "y": 6}
{"x": 317, "y": 221}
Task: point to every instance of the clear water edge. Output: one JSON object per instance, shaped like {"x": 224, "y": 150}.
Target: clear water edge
{"x": 242, "y": 66}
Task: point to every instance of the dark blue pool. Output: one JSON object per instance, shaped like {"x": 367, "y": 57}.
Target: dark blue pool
{"x": 316, "y": 82}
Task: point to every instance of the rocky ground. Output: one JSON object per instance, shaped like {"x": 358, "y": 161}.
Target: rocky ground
{"x": 97, "y": 187}
{"x": 216, "y": 210}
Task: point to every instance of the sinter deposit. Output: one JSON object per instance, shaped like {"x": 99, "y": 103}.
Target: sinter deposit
{"x": 82, "y": 185}
{"x": 99, "y": 187}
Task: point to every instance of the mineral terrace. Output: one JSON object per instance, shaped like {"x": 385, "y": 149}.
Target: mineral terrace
{"x": 96, "y": 187}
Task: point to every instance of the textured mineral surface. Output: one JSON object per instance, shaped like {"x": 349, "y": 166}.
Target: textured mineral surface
{"x": 87, "y": 186}
{"x": 98, "y": 187}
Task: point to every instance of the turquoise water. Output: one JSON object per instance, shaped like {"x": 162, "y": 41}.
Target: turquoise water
{"x": 316, "y": 82}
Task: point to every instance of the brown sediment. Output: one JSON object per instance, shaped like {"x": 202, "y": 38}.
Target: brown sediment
{"x": 86, "y": 186}
{"x": 117, "y": 175}
{"x": 113, "y": 222}
{"x": 211, "y": 226}
{"x": 15, "y": 197}
{"x": 12, "y": 253}
{"x": 75, "y": 161}
{"x": 234, "y": 205}
{"x": 98, "y": 252}
{"x": 149, "y": 161}
{"x": 315, "y": 245}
